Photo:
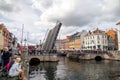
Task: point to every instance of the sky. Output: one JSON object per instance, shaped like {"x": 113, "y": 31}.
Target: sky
{"x": 39, "y": 16}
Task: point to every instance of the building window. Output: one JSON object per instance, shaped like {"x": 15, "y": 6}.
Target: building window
{"x": 98, "y": 37}
{"x": 98, "y": 46}
{"x": 105, "y": 36}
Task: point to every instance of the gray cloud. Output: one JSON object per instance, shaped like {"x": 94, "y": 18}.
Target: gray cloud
{"x": 46, "y": 3}
{"x": 117, "y": 11}
{"x": 8, "y": 7}
{"x": 42, "y": 4}
{"x": 40, "y": 15}
{"x": 74, "y": 20}
{"x": 83, "y": 12}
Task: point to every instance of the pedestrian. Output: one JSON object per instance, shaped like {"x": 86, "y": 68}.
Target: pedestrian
{"x": 0, "y": 58}
{"x": 10, "y": 51}
{"x": 16, "y": 69}
{"x": 5, "y": 56}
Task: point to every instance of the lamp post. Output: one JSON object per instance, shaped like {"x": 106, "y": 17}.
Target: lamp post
{"x": 40, "y": 46}
{"x": 25, "y": 42}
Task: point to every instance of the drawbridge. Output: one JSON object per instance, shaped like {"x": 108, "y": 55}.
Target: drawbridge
{"x": 47, "y": 47}
{"x": 51, "y": 38}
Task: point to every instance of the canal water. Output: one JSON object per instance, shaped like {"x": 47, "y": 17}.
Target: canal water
{"x": 67, "y": 69}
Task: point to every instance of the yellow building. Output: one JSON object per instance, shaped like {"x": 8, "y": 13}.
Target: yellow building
{"x": 74, "y": 44}
{"x": 74, "y": 41}
{"x": 1, "y": 36}
{"x": 77, "y": 44}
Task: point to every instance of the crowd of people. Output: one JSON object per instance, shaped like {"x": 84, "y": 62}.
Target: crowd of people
{"x": 34, "y": 52}
{"x": 10, "y": 60}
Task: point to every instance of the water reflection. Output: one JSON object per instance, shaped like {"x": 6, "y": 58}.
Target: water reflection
{"x": 44, "y": 71}
{"x": 72, "y": 70}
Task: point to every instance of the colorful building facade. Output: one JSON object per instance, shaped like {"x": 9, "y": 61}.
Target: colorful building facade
{"x": 95, "y": 40}
{"x": 118, "y": 33}
{"x": 74, "y": 41}
{"x": 112, "y": 40}
{"x": 4, "y": 36}
{"x": 1, "y": 36}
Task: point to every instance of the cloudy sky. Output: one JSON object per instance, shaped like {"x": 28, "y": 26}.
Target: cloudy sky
{"x": 39, "y": 16}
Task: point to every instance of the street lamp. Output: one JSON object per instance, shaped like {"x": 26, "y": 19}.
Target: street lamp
{"x": 40, "y": 45}
{"x": 25, "y": 42}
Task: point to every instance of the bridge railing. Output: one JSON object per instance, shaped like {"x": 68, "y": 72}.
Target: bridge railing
{"x": 90, "y": 52}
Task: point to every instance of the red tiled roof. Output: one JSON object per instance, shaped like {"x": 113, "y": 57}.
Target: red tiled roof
{"x": 97, "y": 31}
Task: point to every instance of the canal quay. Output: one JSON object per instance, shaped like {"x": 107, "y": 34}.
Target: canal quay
{"x": 70, "y": 69}
{"x": 75, "y": 66}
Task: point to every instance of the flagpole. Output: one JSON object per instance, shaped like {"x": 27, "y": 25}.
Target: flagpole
{"x": 21, "y": 47}
{"x": 22, "y": 34}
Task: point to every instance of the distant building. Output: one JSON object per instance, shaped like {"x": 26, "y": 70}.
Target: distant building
{"x": 31, "y": 47}
{"x": 95, "y": 40}
{"x": 10, "y": 40}
{"x": 5, "y": 37}
{"x": 1, "y": 36}
{"x": 66, "y": 42}
{"x": 58, "y": 44}
{"x": 83, "y": 33}
{"x": 76, "y": 40}
{"x": 118, "y": 32}
{"x": 111, "y": 43}
{"x": 112, "y": 40}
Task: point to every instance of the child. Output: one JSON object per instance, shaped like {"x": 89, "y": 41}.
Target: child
{"x": 16, "y": 69}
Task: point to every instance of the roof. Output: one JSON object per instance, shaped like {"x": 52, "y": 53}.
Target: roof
{"x": 112, "y": 33}
{"x": 75, "y": 35}
{"x": 98, "y": 31}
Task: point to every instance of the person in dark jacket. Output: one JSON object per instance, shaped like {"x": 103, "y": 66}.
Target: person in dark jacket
{"x": 5, "y": 56}
{"x": 1, "y": 58}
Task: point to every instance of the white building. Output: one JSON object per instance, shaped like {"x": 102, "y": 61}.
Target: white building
{"x": 118, "y": 32}
{"x": 96, "y": 39}
{"x": 82, "y": 35}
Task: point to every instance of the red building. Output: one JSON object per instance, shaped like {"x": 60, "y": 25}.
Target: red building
{"x": 6, "y": 37}
{"x": 31, "y": 47}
